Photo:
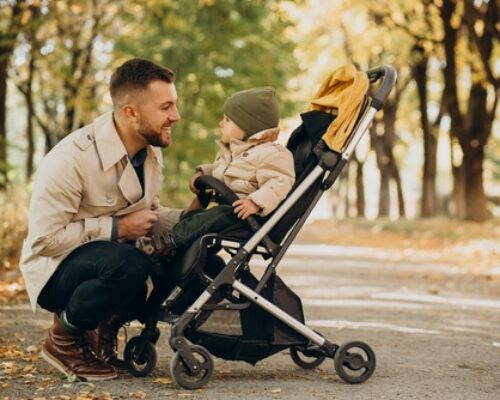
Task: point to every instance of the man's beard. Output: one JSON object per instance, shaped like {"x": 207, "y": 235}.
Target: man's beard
{"x": 153, "y": 137}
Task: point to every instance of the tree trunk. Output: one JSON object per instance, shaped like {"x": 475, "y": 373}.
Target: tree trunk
{"x": 474, "y": 130}
{"x": 4, "y": 61}
{"x": 473, "y": 146}
{"x": 429, "y": 196}
{"x": 475, "y": 197}
{"x": 30, "y": 118}
{"x": 7, "y": 43}
{"x": 399, "y": 187}
{"x": 389, "y": 138}
{"x": 386, "y": 162}
{"x": 360, "y": 187}
{"x": 458, "y": 193}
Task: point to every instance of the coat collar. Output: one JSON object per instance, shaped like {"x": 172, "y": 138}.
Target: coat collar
{"x": 239, "y": 146}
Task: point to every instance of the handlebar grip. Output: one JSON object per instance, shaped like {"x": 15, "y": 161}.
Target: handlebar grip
{"x": 203, "y": 182}
{"x": 389, "y": 76}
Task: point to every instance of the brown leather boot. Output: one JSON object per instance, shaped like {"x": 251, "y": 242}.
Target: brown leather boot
{"x": 104, "y": 341}
{"x": 72, "y": 355}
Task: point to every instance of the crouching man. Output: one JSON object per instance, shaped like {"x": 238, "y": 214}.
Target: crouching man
{"x": 95, "y": 193}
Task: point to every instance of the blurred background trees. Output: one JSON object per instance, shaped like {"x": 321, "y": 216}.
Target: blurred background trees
{"x": 435, "y": 150}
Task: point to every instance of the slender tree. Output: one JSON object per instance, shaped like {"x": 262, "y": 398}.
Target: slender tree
{"x": 13, "y": 14}
{"x": 471, "y": 128}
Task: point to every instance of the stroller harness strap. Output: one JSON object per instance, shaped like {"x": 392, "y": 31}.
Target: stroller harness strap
{"x": 342, "y": 93}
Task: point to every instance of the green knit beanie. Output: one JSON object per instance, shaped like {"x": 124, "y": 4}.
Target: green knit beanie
{"x": 253, "y": 110}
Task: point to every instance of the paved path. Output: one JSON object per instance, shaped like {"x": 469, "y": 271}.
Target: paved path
{"x": 435, "y": 331}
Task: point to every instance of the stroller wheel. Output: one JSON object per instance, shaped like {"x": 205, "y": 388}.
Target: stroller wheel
{"x": 354, "y": 362}
{"x": 140, "y": 363}
{"x": 307, "y": 358}
{"x": 192, "y": 380}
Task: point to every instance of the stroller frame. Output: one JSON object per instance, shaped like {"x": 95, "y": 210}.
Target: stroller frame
{"x": 192, "y": 365}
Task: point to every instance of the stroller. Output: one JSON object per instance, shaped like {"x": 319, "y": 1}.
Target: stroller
{"x": 220, "y": 308}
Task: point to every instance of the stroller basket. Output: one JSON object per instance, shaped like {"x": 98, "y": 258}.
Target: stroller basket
{"x": 217, "y": 307}
{"x": 251, "y": 334}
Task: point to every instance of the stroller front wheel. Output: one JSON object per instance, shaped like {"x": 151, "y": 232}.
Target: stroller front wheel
{"x": 354, "y": 362}
{"x": 140, "y": 363}
{"x": 188, "y": 379}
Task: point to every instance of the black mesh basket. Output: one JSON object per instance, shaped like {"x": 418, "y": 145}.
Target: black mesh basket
{"x": 251, "y": 334}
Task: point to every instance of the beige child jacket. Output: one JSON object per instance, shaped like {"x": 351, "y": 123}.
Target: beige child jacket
{"x": 258, "y": 169}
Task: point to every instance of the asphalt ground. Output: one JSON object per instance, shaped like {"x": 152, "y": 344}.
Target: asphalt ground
{"x": 433, "y": 327}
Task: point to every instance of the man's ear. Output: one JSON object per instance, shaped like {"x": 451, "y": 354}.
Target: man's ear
{"x": 130, "y": 112}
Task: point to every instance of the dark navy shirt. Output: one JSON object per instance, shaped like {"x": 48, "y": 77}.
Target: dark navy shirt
{"x": 138, "y": 163}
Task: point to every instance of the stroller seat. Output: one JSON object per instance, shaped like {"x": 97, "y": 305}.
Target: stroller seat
{"x": 200, "y": 285}
{"x": 301, "y": 144}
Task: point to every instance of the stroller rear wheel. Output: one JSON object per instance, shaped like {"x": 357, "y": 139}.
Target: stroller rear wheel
{"x": 188, "y": 379}
{"x": 140, "y": 363}
{"x": 354, "y": 362}
{"x": 307, "y": 357}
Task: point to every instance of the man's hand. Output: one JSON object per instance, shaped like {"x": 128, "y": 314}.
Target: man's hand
{"x": 191, "y": 182}
{"x": 243, "y": 208}
{"x": 136, "y": 224}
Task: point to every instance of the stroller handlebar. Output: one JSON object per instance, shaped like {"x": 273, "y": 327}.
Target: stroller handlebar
{"x": 388, "y": 75}
{"x": 205, "y": 182}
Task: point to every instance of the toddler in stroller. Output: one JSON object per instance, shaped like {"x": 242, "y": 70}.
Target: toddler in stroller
{"x": 262, "y": 316}
{"x": 259, "y": 171}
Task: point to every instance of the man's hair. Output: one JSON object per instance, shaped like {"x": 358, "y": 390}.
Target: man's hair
{"x": 135, "y": 74}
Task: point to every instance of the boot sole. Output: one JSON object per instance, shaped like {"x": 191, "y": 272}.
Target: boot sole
{"x": 60, "y": 367}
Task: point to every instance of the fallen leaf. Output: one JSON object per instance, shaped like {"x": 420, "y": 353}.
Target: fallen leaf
{"x": 163, "y": 381}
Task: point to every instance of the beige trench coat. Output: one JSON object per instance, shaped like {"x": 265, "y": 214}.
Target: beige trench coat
{"x": 258, "y": 169}
{"x": 83, "y": 182}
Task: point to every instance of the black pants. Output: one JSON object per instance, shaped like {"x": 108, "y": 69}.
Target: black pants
{"x": 197, "y": 223}
{"x": 97, "y": 280}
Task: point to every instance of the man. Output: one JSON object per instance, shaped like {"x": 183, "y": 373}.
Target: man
{"x": 95, "y": 192}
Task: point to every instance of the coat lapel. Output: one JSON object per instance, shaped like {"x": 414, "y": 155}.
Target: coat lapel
{"x": 153, "y": 176}
{"x": 129, "y": 184}
{"x": 112, "y": 151}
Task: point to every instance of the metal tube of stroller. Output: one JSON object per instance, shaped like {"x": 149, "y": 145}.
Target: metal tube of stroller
{"x": 278, "y": 313}
{"x": 308, "y": 181}
{"x": 363, "y": 126}
{"x": 196, "y": 306}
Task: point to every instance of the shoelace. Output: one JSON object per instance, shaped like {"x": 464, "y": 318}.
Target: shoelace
{"x": 85, "y": 350}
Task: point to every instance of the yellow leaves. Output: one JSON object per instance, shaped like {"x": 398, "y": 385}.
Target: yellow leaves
{"x": 206, "y": 3}
{"x": 13, "y": 229}
{"x": 456, "y": 20}
{"x": 11, "y": 291}
{"x": 138, "y": 395}
{"x": 11, "y": 351}
{"x": 163, "y": 381}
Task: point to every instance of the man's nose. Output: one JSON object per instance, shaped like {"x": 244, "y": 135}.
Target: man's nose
{"x": 176, "y": 116}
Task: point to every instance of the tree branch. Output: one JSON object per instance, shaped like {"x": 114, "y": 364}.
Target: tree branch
{"x": 483, "y": 44}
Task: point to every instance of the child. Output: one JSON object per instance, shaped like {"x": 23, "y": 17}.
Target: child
{"x": 258, "y": 170}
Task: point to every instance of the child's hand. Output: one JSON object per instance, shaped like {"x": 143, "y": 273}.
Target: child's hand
{"x": 244, "y": 208}
{"x": 191, "y": 182}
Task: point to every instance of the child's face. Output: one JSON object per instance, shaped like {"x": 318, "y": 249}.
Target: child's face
{"x": 230, "y": 130}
